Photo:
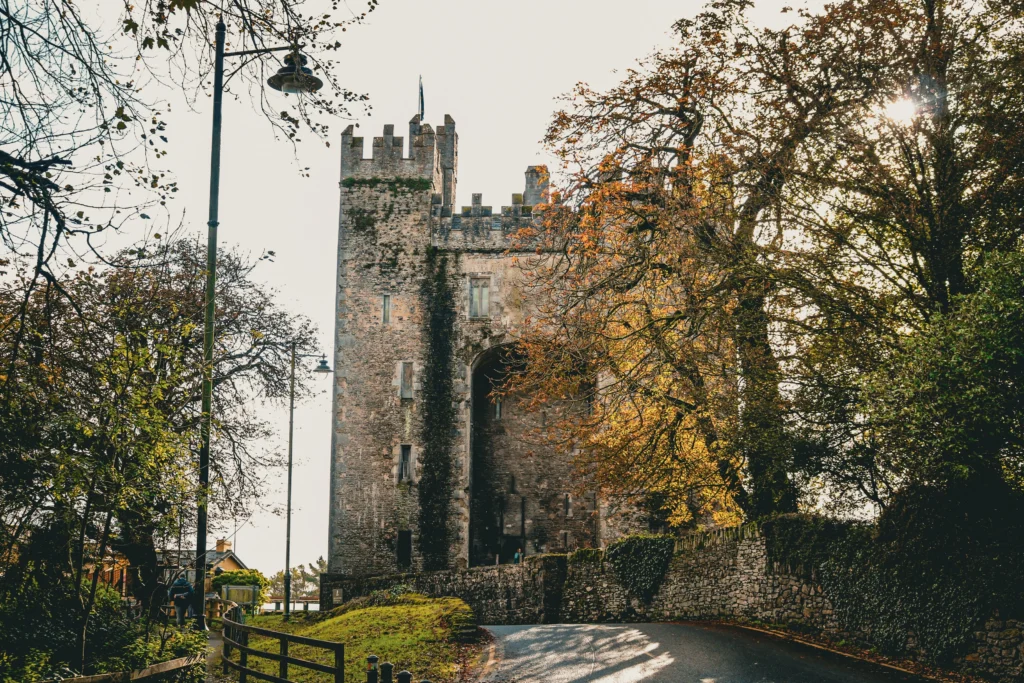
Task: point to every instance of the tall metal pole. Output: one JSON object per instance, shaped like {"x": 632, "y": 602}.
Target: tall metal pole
{"x": 288, "y": 513}
{"x": 211, "y": 307}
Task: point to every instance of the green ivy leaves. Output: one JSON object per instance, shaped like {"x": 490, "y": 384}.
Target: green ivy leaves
{"x": 640, "y": 562}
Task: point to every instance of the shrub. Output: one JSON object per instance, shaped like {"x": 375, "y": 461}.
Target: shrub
{"x": 939, "y": 561}
{"x": 244, "y": 577}
{"x": 640, "y": 562}
{"x": 591, "y": 555}
{"x": 802, "y": 543}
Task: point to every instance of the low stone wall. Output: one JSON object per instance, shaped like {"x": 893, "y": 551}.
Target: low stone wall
{"x": 722, "y": 578}
{"x": 728, "y": 579}
{"x": 527, "y": 593}
{"x": 1000, "y": 651}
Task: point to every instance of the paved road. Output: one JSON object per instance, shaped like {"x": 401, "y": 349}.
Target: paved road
{"x": 668, "y": 653}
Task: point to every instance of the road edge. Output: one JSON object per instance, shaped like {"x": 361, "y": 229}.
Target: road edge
{"x": 785, "y": 635}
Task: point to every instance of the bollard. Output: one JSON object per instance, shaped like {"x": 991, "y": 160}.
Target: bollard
{"x": 404, "y": 677}
{"x": 386, "y": 670}
{"x": 371, "y": 669}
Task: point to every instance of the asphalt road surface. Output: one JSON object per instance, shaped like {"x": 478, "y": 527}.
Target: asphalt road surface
{"x": 668, "y": 653}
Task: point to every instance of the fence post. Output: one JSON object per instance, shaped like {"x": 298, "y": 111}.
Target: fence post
{"x": 243, "y": 657}
{"x": 225, "y": 650}
{"x": 371, "y": 668}
{"x": 404, "y": 677}
{"x": 339, "y": 663}
{"x": 386, "y": 670}
{"x": 283, "y": 664}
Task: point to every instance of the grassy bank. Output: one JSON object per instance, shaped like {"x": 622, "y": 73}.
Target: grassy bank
{"x": 411, "y": 631}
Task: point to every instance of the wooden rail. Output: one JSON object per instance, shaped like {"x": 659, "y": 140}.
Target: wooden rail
{"x": 139, "y": 674}
{"x": 236, "y": 637}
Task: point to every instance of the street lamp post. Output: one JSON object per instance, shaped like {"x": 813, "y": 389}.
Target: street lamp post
{"x": 290, "y": 79}
{"x": 322, "y": 368}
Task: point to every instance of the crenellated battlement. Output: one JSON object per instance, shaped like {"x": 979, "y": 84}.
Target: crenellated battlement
{"x": 479, "y": 228}
{"x": 431, "y": 155}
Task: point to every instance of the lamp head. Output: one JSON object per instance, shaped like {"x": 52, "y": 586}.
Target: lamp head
{"x": 295, "y": 76}
{"x": 323, "y": 368}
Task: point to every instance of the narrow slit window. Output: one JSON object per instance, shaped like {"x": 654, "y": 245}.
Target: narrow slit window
{"x": 405, "y": 548}
{"x": 407, "y": 380}
{"x": 386, "y": 310}
{"x": 479, "y": 297}
{"x": 497, "y": 407}
{"x": 405, "y": 463}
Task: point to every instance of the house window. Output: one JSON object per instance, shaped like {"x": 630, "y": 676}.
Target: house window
{"x": 497, "y": 407}
{"x": 406, "y": 380}
{"x": 386, "y": 310}
{"x": 568, "y": 505}
{"x": 479, "y": 297}
{"x": 404, "y": 548}
{"x": 405, "y": 463}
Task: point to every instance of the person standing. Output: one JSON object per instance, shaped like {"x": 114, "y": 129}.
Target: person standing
{"x": 518, "y": 556}
{"x": 181, "y": 594}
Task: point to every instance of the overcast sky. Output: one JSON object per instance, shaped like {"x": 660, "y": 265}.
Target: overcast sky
{"x": 496, "y": 67}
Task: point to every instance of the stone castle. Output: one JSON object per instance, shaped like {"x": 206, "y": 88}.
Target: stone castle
{"x": 509, "y": 491}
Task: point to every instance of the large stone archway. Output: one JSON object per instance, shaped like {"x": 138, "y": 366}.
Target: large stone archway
{"x": 521, "y": 489}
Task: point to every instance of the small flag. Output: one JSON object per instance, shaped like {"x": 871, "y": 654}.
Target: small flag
{"x": 421, "y": 98}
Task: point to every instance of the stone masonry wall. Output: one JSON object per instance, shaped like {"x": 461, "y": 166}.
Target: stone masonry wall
{"x": 725, "y": 580}
{"x": 728, "y": 579}
{"x": 526, "y": 593}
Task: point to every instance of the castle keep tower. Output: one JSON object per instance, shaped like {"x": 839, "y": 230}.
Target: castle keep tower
{"x": 397, "y": 222}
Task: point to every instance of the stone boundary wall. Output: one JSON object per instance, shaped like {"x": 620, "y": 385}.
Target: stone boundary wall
{"x": 724, "y": 579}
{"x": 527, "y": 593}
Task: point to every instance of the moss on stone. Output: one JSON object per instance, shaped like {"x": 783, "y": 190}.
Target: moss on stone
{"x": 393, "y": 184}
{"x": 591, "y": 555}
{"x": 363, "y": 220}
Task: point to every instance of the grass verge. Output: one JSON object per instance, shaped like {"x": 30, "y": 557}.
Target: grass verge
{"x": 423, "y": 635}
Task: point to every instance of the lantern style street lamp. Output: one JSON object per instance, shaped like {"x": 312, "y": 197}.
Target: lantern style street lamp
{"x": 295, "y": 78}
{"x": 324, "y": 369}
{"x": 299, "y": 79}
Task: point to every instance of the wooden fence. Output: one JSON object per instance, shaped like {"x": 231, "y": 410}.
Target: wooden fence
{"x": 139, "y": 674}
{"x": 236, "y": 637}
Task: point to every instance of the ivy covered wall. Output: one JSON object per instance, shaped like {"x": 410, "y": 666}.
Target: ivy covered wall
{"x": 437, "y": 476}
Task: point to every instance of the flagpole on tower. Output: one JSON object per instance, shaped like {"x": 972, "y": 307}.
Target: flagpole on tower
{"x": 421, "y": 98}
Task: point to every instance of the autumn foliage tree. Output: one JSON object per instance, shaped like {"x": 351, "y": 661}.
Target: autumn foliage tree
{"x": 746, "y": 226}
{"x": 665, "y": 242}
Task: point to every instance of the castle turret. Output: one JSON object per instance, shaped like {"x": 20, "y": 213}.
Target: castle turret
{"x": 536, "y": 185}
{"x": 448, "y": 149}
{"x": 384, "y": 236}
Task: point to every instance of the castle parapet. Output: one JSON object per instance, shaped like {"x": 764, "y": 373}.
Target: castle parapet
{"x": 387, "y": 158}
{"x": 478, "y": 228}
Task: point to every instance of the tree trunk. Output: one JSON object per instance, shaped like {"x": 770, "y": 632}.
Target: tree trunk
{"x": 90, "y": 602}
{"x": 138, "y": 545}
